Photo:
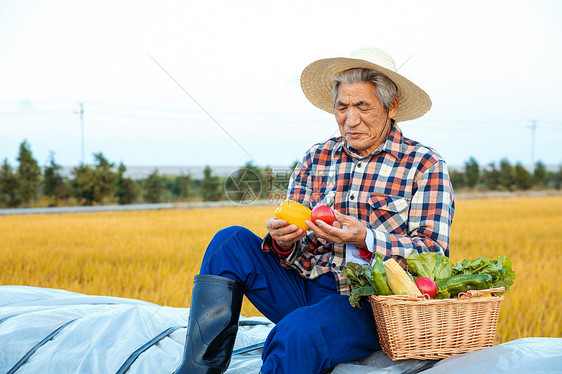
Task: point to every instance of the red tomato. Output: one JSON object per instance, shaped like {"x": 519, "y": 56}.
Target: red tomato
{"x": 323, "y": 213}
{"x": 427, "y": 286}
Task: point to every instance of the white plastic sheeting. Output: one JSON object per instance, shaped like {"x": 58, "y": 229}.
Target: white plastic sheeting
{"x": 98, "y": 334}
{"x": 521, "y": 356}
{"x": 54, "y": 331}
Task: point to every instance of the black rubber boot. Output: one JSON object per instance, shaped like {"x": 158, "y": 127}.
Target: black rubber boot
{"x": 213, "y": 324}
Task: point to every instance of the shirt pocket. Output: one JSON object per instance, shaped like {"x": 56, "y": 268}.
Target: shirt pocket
{"x": 389, "y": 213}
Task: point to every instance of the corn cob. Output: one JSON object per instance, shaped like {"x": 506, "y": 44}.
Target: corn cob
{"x": 398, "y": 280}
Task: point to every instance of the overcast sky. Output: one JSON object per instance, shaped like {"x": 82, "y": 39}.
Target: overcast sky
{"x": 217, "y": 82}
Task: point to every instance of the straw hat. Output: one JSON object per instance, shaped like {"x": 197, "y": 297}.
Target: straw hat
{"x": 317, "y": 85}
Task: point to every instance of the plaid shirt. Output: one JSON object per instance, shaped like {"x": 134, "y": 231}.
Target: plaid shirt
{"x": 401, "y": 192}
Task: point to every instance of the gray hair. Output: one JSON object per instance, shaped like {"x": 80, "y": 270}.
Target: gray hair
{"x": 385, "y": 88}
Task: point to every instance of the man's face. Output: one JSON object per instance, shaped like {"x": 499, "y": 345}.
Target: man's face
{"x": 361, "y": 117}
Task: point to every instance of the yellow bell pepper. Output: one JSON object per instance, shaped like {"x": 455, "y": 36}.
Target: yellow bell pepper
{"x": 294, "y": 213}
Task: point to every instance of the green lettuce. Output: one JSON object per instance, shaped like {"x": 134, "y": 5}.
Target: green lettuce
{"x": 500, "y": 269}
{"x": 430, "y": 265}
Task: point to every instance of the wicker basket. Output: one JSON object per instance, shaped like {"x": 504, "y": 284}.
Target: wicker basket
{"x": 410, "y": 327}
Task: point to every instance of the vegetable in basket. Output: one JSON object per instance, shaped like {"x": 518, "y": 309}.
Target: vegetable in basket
{"x": 365, "y": 281}
{"x": 427, "y": 286}
{"x": 479, "y": 273}
{"x": 456, "y": 284}
{"x": 398, "y": 280}
{"x": 359, "y": 280}
{"x": 379, "y": 278}
{"x": 430, "y": 265}
{"x": 500, "y": 269}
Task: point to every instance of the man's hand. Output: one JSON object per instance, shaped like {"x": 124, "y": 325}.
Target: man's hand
{"x": 352, "y": 231}
{"x": 285, "y": 235}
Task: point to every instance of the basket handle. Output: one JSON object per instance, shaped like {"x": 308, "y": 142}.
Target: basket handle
{"x": 474, "y": 293}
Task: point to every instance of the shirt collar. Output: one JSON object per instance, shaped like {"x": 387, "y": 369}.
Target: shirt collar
{"x": 393, "y": 144}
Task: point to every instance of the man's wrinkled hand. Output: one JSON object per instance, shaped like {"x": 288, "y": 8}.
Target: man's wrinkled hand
{"x": 284, "y": 234}
{"x": 351, "y": 230}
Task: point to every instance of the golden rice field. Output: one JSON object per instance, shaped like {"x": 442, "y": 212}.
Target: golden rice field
{"x": 153, "y": 255}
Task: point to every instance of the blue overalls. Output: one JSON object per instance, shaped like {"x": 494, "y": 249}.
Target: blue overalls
{"x": 316, "y": 328}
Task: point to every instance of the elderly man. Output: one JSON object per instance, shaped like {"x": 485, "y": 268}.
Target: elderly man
{"x": 391, "y": 195}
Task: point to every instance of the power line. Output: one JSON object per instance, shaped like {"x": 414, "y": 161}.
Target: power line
{"x": 35, "y": 112}
{"x": 182, "y": 115}
{"x": 296, "y": 115}
{"x": 552, "y": 126}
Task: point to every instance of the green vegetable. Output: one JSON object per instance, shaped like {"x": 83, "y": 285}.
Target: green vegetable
{"x": 430, "y": 265}
{"x": 359, "y": 279}
{"x": 440, "y": 268}
{"x": 378, "y": 277}
{"x": 358, "y": 293}
{"x": 357, "y": 275}
{"x": 456, "y": 284}
{"x": 365, "y": 281}
{"x": 350, "y": 273}
{"x": 499, "y": 269}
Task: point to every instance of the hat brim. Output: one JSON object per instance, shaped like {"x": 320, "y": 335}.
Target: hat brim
{"x": 317, "y": 85}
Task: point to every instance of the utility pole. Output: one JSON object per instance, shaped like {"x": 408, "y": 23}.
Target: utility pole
{"x": 533, "y": 130}
{"x": 82, "y": 127}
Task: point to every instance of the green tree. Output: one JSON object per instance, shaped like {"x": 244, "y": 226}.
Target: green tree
{"x": 153, "y": 188}
{"x": 558, "y": 179}
{"x": 94, "y": 185}
{"x": 539, "y": 174}
{"x": 84, "y": 184}
{"x": 491, "y": 177}
{"x": 507, "y": 177}
{"x": 472, "y": 172}
{"x": 458, "y": 179}
{"x": 54, "y": 184}
{"x": 9, "y": 186}
{"x": 210, "y": 186}
{"x": 105, "y": 175}
{"x": 29, "y": 174}
{"x": 522, "y": 177}
{"x": 181, "y": 186}
{"x": 127, "y": 190}
{"x": 195, "y": 187}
